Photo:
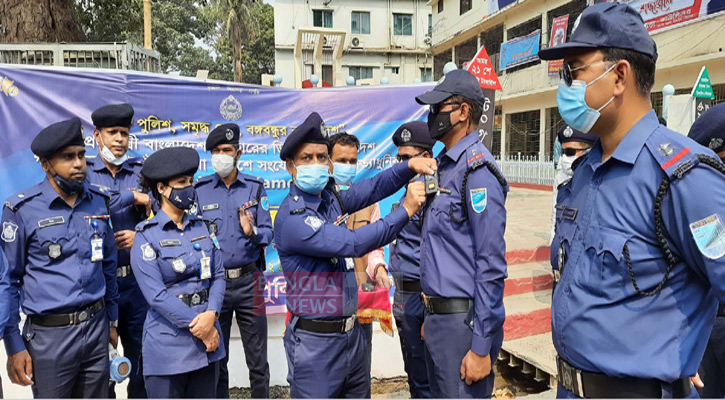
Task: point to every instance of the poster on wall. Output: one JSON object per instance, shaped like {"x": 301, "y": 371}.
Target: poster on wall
{"x": 520, "y": 50}
{"x": 558, "y": 36}
{"x": 663, "y": 14}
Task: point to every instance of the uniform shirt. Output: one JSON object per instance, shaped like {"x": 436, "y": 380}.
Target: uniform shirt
{"x": 4, "y": 292}
{"x": 159, "y": 246}
{"x": 321, "y": 283}
{"x": 124, "y": 215}
{"x": 48, "y": 246}
{"x": 599, "y": 322}
{"x": 405, "y": 249}
{"x": 467, "y": 259}
{"x": 220, "y": 206}
{"x": 377, "y": 256}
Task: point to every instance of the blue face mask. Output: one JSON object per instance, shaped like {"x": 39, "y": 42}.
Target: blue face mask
{"x": 312, "y": 178}
{"x": 573, "y": 107}
{"x": 183, "y": 198}
{"x": 344, "y": 173}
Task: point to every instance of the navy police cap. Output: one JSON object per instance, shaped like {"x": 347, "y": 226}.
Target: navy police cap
{"x": 223, "y": 134}
{"x": 414, "y": 133}
{"x": 171, "y": 162}
{"x": 113, "y": 115}
{"x": 458, "y": 82}
{"x": 57, "y": 136}
{"x": 568, "y": 134}
{"x": 709, "y": 129}
{"x": 606, "y": 25}
{"x": 311, "y": 131}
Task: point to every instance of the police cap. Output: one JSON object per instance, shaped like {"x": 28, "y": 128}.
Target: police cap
{"x": 171, "y": 162}
{"x": 311, "y": 131}
{"x": 414, "y": 133}
{"x": 57, "y": 136}
{"x": 458, "y": 82}
{"x": 223, "y": 134}
{"x": 709, "y": 129}
{"x": 568, "y": 134}
{"x": 113, "y": 115}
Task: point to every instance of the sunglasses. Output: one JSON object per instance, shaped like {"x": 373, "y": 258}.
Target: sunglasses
{"x": 565, "y": 72}
{"x": 436, "y": 108}
{"x": 406, "y": 157}
{"x": 570, "y": 152}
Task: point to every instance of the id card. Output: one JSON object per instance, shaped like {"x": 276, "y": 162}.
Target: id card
{"x": 96, "y": 249}
{"x": 205, "y": 266}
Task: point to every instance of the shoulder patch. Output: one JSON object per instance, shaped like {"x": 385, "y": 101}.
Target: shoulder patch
{"x": 675, "y": 158}
{"x": 264, "y": 202}
{"x": 313, "y": 222}
{"x": 149, "y": 254}
{"x": 9, "y": 232}
{"x": 479, "y": 199}
{"x": 709, "y": 235}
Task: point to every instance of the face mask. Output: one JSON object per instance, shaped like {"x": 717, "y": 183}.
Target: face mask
{"x": 573, "y": 107}
{"x": 110, "y": 157}
{"x": 222, "y": 164}
{"x": 440, "y": 124}
{"x": 344, "y": 173}
{"x": 312, "y": 178}
{"x": 183, "y": 198}
{"x": 563, "y": 170}
{"x": 68, "y": 186}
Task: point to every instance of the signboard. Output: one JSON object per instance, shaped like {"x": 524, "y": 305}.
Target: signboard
{"x": 480, "y": 66}
{"x": 558, "y": 36}
{"x": 662, "y": 14}
{"x": 702, "y": 93}
{"x": 520, "y": 50}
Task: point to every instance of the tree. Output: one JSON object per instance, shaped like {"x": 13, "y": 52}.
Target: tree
{"x": 33, "y": 21}
{"x": 240, "y": 26}
{"x": 258, "y": 56}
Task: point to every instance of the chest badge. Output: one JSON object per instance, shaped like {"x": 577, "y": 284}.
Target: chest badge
{"x": 9, "y": 231}
{"x": 148, "y": 252}
{"x": 479, "y": 199}
{"x": 55, "y": 250}
{"x": 178, "y": 265}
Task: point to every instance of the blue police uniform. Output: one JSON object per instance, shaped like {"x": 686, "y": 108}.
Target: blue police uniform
{"x": 63, "y": 274}
{"x": 181, "y": 274}
{"x": 243, "y": 262}
{"x": 326, "y": 349}
{"x": 4, "y": 299}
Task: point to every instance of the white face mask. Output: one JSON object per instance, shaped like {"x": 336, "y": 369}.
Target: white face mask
{"x": 563, "y": 171}
{"x": 222, "y": 164}
{"x": 110, "y": 157}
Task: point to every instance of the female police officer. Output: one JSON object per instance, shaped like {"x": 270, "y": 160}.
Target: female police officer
{"x": 180, "y": 273}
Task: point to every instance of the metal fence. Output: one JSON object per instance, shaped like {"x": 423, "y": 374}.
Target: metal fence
{"x": 120, "y": 55}
{"x": 527, "y": 169}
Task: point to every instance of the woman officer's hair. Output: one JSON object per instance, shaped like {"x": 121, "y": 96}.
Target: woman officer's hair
{"x": 151, "y": 186}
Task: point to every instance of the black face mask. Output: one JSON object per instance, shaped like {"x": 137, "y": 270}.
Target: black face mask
{"x": 68, "y": 186}
{"x": 440, "y": 123}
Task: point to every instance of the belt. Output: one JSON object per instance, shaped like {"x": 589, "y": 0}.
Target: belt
{"x": 410, "y": 286}
{"x": 595, "y": 385}
{"x": 322, "y": 326}
{"x": 721, "y": 310}
{"x": 194, "y": 299}
{"x": 124, "y": 271}
{"x": 77, "y": 317}
{"x": 234, "y": 273}
{"x": 445, "y": 305}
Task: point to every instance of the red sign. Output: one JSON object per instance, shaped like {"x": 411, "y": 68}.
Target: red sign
{"x": 558, "y": 36}
{"x": 480, "y": 66}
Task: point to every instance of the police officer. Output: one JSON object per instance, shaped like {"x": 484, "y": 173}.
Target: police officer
{"x": 237, "y": 207}
{"x": 709, "y": 131}
{"x": 58, "y": 239}
{"x": 118, "y": 175}
{"x": 462, "y": 260}
{"x": 324, "y": 345}
{"x": 639, "y": 237}
{"x": 412, "y": 140}
{"x": 4, "y": 299}
{"x": 179, "y": 269}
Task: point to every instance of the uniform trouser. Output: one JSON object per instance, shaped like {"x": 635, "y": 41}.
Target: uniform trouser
{"x": 239, "y": 300}
{"x": 326, "y": 365}
{"x": 448, "y": 340}
{"x": 198, "y": 384}
{"x": 132, "y": 309}
{"x": 712, "y": 368}
{"x": 409, "y": 313}
{"x": 562, "y": 393}
{"x": 368, "y": 332}
{"x": 69, "y": 361}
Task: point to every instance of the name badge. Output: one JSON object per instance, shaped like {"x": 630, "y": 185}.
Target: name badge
{"x": 209, "y": 207}
{"x": 44, "y": 223}
{"x": 205, "y": 266}
{"x": 96, "y": 249}
{"x": 170, "y": 242}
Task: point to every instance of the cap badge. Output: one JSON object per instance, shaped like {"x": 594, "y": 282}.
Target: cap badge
{"x": 405, "y": 136}
{"x": 229, "y": 135}
{"x": 568, "y": 132}
{"x": 715, "y": 143}
{"x": 323, "y": 131}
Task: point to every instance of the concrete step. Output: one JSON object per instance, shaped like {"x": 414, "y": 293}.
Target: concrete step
{"x": 527, "y": 314}
{"x": 528, "y": 277}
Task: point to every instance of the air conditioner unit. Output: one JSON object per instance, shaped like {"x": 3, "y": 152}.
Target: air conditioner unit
{"x": 356, "y": 42}
{"x": 324, "y": 43}
{"x": 428, "y": 40}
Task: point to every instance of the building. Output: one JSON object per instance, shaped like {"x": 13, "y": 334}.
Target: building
{"x": 116, "y": 55}
{"x": 527, "y": 117}
{"x": 365, "y": 39}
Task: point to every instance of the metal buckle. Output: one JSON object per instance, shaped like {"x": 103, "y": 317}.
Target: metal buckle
{"x": 234, "y": 273}
{"x": 82, "y": 316}
{"x": 195, "y": 299}
{"x": 350, "y": 323}
{"x": 571, "y": 378}
{"x": 426, "y": 304}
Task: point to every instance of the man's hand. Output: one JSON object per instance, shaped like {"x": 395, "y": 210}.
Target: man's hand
{"x": 246, "y": 220}
{"x": 142, "y": 200}
{"x": 20, "y": 368}
{"x": 423, "y": 166}
{"x": 212, "y": 342}
{"x": 475, "y": 367}
{"x": 203, "y": 324}
{"x": 381, "y": 277}
{"x": 113, "y": 334}
{"x": 124, "y": 239}
{"x": 414, "y": 197}
{"x": 697, "y": 381}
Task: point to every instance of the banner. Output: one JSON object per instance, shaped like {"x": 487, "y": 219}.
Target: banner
{"x": 558, "y": 36}
{"x": 175, "y": 112}
{"x": 662, "y": 14}
{"x": 520, "y": 50}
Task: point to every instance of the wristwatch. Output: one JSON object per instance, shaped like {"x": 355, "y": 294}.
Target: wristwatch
{"x": 113, "y": 324}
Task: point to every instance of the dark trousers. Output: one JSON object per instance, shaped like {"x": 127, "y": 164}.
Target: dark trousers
{"x": 198, "y": 384}
{"x": 240, "y": 301}
{"x": 132, "y": 309}
{"x": 409, "y": 314}
{"x": 712, "y": 368}
{"x": 368, "y": 332}
{"x": 448, "y": 340}
{"x": 69, "y": 361}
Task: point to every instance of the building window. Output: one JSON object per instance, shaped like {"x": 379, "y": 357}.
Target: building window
{"x": 430, "y": 25}
{"x": 403, "y": 24}
{"x": 492, "y": 39}
{"x": 393, "y": 70}
{"x": 361, "y": 72}
{"x": 524, "y": 133}
{"x": 360, "y": 23}
{"x": 524, "y": 29}
{"x": 426, "y": 74}
{"x": 465, "y": 6}
{"x": 440, "y": 6}
{"x": 439, "y": 60}
{"x": 322, "y": 18}
{"x": 327, "y": 75}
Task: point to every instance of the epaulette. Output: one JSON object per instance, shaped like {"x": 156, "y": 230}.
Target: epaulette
{"x": 104, "y": 191}
{"x": 674, "y": 157}
{"x": 258, "y": 181}
{"x": 297, "y": 205}
{"x": 204, "y": 180}
{"x": 135, "y": 161}
{"x": 15, "y": 201}
{"x": 477, "y": 156}
{"x": 145, "y": 224}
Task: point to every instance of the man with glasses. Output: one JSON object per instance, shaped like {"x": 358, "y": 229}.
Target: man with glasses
{"x": 638, "y": 251}
{"x": 463, "y": 251}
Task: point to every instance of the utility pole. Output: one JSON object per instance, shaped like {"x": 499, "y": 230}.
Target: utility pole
{"x": 147, "y": 30}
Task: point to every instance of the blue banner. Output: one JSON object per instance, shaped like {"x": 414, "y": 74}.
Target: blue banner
{"x": 520, "y": 50}
{"x": 175, "y": 111}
